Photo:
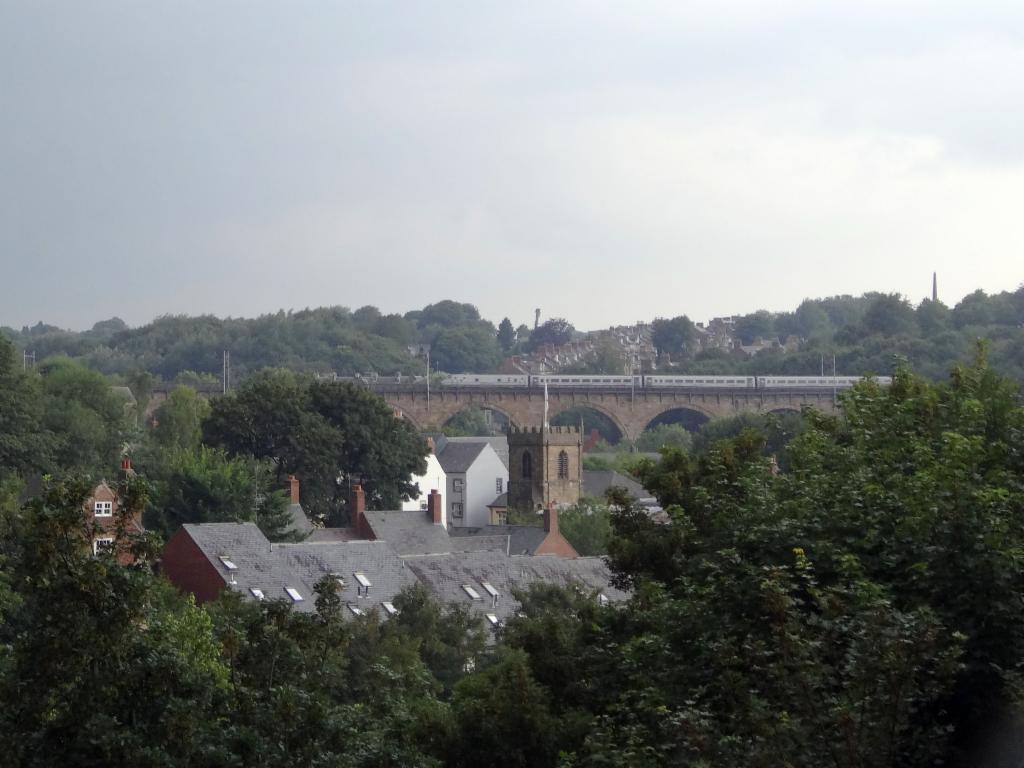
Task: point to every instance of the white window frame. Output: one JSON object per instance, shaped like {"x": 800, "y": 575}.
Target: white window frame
{"x": 294, "y": 594}
{"x": 493, "y": 618}
{"x": 458, "y": 484}
{"x": 389, "y": 608}
{"x": 473, "y": 594}
{"x": 107, "y": 542}
{"x": 257, "y": 593}
{"x": 103, "y": 508}
{"x": 456, "y": 509}
{"x": 499, "y": 485}
{"x": 356, "y": 610}
{"x": 227, "y": 563}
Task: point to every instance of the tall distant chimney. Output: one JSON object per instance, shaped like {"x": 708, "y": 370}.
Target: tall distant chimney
{"x": 293, "y": 488}
{"x": 551, "y": 518}
{"x": 357, "y": 508}
{"x": 435, "y": 509}
{"x": 935, "y": 286}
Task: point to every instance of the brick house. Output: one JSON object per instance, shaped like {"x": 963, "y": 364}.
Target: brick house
{"x": 103, "y": 516}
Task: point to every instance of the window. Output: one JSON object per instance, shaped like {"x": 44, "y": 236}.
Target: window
{"x": 389, "y": 608}
{"x": 490, "y": 589}
{"x": 493, "y": 618}
{"x": 527, "y": 464}
{"x": 456, "y": 509}
{"x": 457, "y": 485}
{"x": 361, "y": 578}
{"x": 257, "y": 593}
{"x": 473, "y": 594}
{"x": 602, "y": 599}
{"x": 563, "y": 466}
{"x": 102, "y": 545}
{"x": 356, "y": 610}
{"x": 499, "y": 485}
{"x": 103, "y": 508}
{"x": 293, "y": 593}
{"x": 228, "y": 563}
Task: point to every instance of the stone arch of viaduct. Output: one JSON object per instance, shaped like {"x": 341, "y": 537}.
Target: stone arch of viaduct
{"x": 631, "y": 413}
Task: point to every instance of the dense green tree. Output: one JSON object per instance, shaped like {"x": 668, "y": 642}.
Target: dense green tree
{"x": 464, "y": 349}
{"x": 889, "y": 315}
{"x": 178, "y": 422}
{"x": 933, "y": 317}
{"x": 320, "y": 431}
{"x": 587, "y": 526}
{"x": 674, "y": 337}
{"x": 209, "y": 486}
{"x": 556, "y": 331}
{"x": 22, "y": 446}
{"x": 664, "y": 435}
{"x": 506, "y": 335}
{"x": 469, "y": 422}
{"x": 86, "y": 420}
{"x": 757, "y": 325}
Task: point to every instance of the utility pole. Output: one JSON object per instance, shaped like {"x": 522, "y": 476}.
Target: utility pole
{"x": 428, "y": 379}
{"x": 226, "y": 372}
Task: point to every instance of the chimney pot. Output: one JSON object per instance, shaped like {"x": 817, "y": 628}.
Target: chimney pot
{"x": 435, "y": 509}
{"x": 551, "y": 518}
{"x": 358, "y": 507}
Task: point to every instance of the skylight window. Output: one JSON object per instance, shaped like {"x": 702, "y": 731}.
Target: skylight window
{"x": 390, "y": 608}
{"x": 293, "y": 593}
{"x": 356, "y": 610}
{"x": 603, "y": 599}
{"x": 363, "y": 581}
{"x": 257, "y": 593}
{"x": 228, "y": 563}
{"x": 490, "y": 590}
{"x": 473, "y": 594}
{"x": 493, "y": 618}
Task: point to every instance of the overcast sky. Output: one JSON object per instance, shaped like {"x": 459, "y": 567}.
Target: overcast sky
{"x": 606, "y": 162}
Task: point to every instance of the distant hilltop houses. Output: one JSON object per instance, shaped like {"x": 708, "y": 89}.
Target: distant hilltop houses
{"x": 636, "y": 346}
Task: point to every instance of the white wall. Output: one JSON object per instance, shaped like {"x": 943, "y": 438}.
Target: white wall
{"x": 481, "y": 488}
{"x": 433, "y": 479}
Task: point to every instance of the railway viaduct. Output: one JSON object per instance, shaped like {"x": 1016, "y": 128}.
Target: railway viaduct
{"x": 631, "y": 411}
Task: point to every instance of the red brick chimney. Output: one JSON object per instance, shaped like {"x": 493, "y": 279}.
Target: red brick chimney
{"x": 435, "y": 510}
{"x": 293, "y": 488}
{"x": 551, "y": 518}
{"x": 430, "y": 443}
{"x": 357, "y": 506}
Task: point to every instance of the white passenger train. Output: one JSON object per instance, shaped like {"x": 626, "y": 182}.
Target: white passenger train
{"x": 578, "y": 381}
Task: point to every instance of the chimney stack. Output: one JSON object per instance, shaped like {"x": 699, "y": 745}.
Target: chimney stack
{"x": 430, "y": 444}
{"x": 551, "y": 518}
{"x": 357, "y": 506}
{"x": 435, "y": 510}
{"x": 293, "y": 488}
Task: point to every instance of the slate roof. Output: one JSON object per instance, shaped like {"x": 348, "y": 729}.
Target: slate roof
{"x": 445, "y": 575}
{"x": 458, "y": 457}
{"x": 272, "y": 567}
{"x": 522, "y": 539}
{"x": 409, "y": 533}
{"x": 501, "y": 501}
{"x": 300, "y": 523}
{"x": 498, "y": 442}
{"x": 596, "y": 482}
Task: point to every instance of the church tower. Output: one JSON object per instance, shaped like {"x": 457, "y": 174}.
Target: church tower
{"x": 545, "y": 464}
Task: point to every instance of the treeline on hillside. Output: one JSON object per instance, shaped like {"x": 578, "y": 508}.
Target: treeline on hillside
{"x": 331, "y": 339}
{"x": 858, "y": 607}
{"x": 865, "y": 334}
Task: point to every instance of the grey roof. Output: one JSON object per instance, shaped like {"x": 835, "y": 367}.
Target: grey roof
{"x": 409, "y": 533}
{"x": 522, "y": 539}
{"x": 272, "y": 567}
{"x": 596, "y": 482}
{"x": 498, "y": 442}
{"x": 300, "y": 523}
{"x": 501, "y": 501}
{"x": 445, "y": 575}
{"x": 458, "y": 457}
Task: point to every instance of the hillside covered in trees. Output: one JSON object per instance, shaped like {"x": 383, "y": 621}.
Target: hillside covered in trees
{"x": 868, "y": 333}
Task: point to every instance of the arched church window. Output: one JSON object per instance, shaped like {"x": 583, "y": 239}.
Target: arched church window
{"x": 527, "y": 464}
{"x": 563, "y": 466}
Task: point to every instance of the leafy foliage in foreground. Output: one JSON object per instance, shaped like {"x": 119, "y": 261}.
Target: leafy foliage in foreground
{"x": 860, "y": 608}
